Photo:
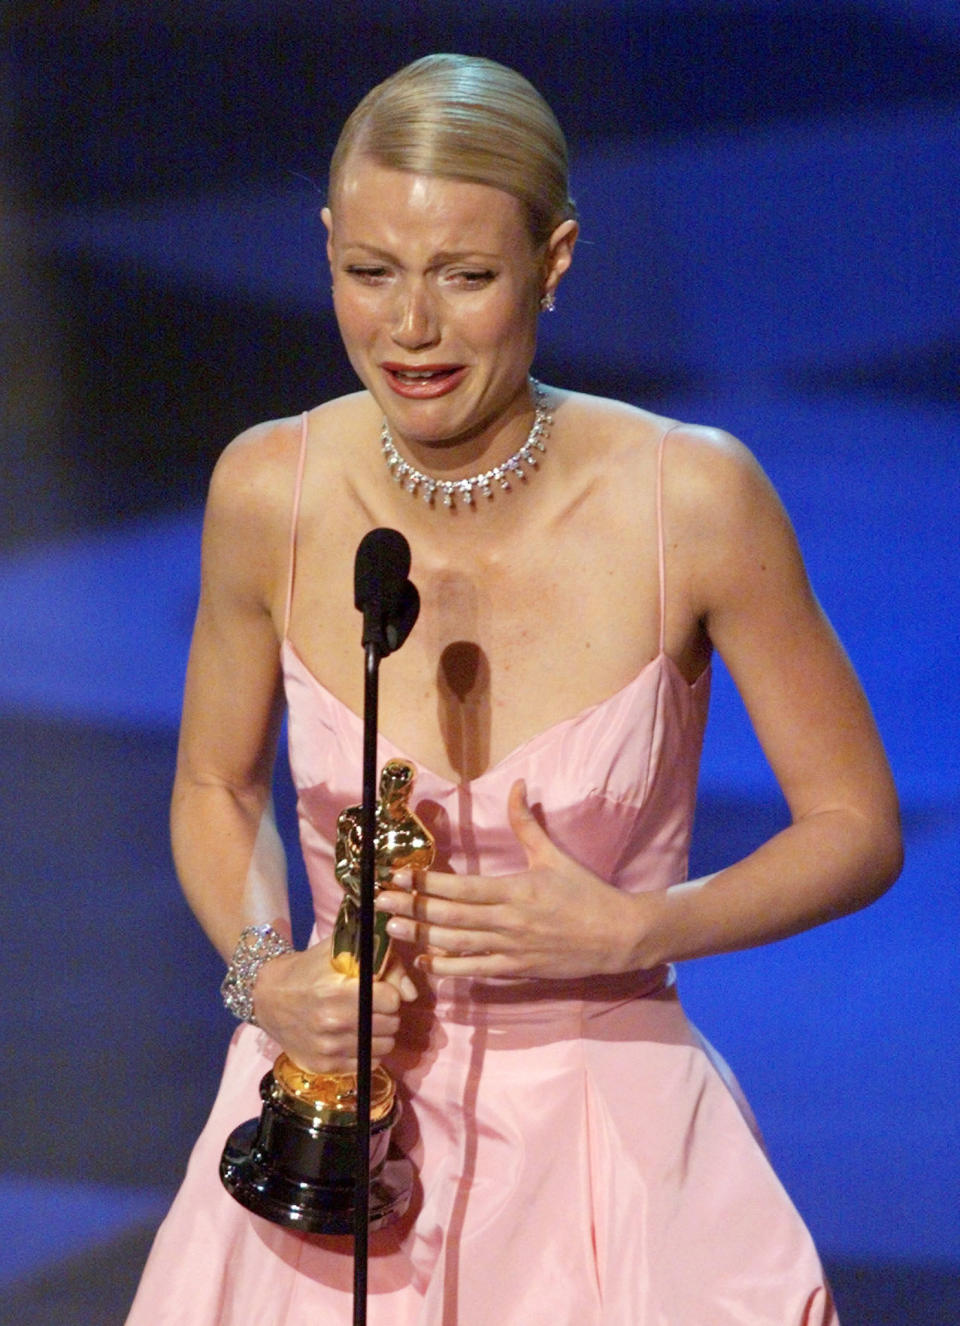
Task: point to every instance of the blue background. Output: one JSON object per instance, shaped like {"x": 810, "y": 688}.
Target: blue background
{"x": 770, "y": 200}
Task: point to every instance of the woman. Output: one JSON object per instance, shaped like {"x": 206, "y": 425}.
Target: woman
{"x": 581, "y": 1154}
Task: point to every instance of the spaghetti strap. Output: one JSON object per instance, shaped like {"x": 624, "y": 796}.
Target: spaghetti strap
{"x": 294, "y": 518}
{"x": 661, "y": 551}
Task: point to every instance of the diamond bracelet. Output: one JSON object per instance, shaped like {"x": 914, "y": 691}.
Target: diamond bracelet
{"x": 257, "y": 944}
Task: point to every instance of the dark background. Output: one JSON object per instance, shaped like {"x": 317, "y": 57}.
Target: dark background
{"x": 770, "y": 202}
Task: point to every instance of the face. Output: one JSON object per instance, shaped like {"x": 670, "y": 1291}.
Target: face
{"x": 436, "y": 288}
{"x": 395, "y": 780}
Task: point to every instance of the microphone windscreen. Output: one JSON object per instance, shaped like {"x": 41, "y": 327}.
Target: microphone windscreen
{"x": 380, "y": 570}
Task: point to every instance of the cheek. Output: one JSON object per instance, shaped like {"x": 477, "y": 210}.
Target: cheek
{"x": 355, "y": 335}
{"x": 512, "y": 321}
{"x": 355, "y": 320}
{"x": 519, "y": 328}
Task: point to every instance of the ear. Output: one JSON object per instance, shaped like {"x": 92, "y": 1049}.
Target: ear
{"x": 326, "y": 216}
{"x": 559, "y": 254}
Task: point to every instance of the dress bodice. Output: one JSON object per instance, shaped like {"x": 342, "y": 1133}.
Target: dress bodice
{"x": 614, "y": 784}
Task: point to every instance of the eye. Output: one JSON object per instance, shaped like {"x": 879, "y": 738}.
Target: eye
{"x": 472, "y": 278}
{"x": 368, "y": 273}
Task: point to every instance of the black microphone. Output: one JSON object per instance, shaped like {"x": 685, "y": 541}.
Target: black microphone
{"x": 381, "y": 591}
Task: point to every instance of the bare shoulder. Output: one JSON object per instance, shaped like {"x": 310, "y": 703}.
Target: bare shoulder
{"x": 737, "y": 542}
{"x": 606, "y": 428}
{"x": 250, "y": 502}
{"x": 255, "y": 474}
{"x": 711, "y": 456}
{"x": 732, "y": 537}
{"x": 346, "y": 415}
{"x": 254, "y": 468}
{"x": 705, "y": 465}
{"x": 721, "y": 512}
{"x": 708, "y": 473}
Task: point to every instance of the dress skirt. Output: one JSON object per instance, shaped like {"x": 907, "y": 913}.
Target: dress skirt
{"x": 578, "y": 1163}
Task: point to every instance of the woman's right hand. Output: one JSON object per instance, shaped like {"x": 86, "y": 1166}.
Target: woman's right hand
{"x": 311, "y": 1010}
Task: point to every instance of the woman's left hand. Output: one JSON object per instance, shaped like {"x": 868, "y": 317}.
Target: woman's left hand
{"x": 555, "y": 919}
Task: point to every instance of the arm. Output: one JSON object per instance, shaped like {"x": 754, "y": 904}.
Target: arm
{"x": 226, "y": 847}
{"x": 749, "y": 588}
{"x": 739, "y": 578}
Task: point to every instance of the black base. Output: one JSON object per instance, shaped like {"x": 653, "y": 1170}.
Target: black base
{"x": 298, "y": 1173}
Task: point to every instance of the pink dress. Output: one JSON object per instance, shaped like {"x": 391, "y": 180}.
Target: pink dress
{"x": 582, "y": 1157}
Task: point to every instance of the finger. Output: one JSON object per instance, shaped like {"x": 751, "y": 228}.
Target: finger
{"x": 526, "y": 827}
{"x": 419, "y": 907}
{"x": 386, "y": 997}
{"x": 432, "y": 915}
{"x": 442, "y": 885}
{"x": 382, "y": 1027}
{"x": 395, "y": 975}
{"x": 439, "y": 939}
{"x": 474, "y": 964}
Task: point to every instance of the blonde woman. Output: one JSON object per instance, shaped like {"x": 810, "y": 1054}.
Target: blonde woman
{"x": 581, "y": 1155}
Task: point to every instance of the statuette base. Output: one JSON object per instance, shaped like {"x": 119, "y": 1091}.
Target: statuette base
{"x": 296, "y": 1171}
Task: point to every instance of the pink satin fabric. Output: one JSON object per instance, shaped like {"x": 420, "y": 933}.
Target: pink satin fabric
{"x": 582, "y": 1157}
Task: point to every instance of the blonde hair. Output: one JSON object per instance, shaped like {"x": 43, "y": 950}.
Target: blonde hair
{"x": 465, "y": 118}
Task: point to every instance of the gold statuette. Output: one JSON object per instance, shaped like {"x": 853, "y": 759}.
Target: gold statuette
{"x": 296, "y": 1165}
{"x": 402, "y": 842}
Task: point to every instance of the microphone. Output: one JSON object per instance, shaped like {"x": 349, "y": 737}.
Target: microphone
{"x": 381, "y": 591}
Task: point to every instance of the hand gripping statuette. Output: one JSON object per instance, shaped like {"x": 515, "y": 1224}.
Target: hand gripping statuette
{"x": 296, "y": 1164}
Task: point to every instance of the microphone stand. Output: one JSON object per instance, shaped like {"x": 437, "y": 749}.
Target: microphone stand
{"x": 361, "y": 1228}
{"x": 390, "y": 604}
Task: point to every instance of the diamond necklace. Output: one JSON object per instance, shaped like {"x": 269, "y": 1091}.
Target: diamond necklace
{"x": 465, "y": 490}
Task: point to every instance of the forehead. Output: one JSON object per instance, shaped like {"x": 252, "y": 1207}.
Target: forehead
{"x": 379, "y": 206}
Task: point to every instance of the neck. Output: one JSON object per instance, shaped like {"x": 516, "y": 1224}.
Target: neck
{"x": 477, "y": 475}
{"x": 484, "y": 443}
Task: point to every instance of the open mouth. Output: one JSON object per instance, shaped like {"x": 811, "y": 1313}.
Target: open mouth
{"x": 433, "y": 380}
{"x": 420, "y": 374}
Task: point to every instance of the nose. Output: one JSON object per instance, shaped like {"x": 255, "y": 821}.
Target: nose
{"x": 416, "y": 320}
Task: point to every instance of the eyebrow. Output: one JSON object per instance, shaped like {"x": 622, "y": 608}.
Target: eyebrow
{"x": 438, "y": 258}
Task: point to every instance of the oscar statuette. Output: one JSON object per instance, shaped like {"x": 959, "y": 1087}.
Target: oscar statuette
{"x": 297, "y": 1164}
